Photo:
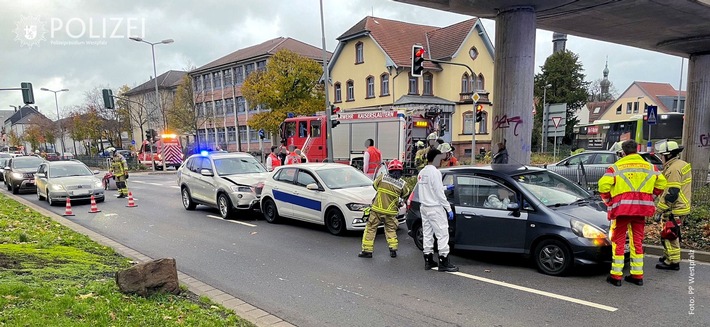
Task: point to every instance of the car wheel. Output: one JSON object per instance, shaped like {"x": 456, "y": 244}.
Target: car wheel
{"x": 40, "y": 197}
{"x": 553, "y": 257}
{"x": 271, "y": 213}
{"x": 14, "y": 189}
{"x": 187, "y": 201}
{"x": 225, "y": 206}
{"x": 419, "y": 238}
{"x": 49, "y": 200}
{"x": 335, "y": 222}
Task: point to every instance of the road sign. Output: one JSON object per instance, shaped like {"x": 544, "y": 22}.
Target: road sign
{"x": 133, "y": 142}
{"x": 475, "y": 97}
{"x": 556, "y": 121}
{"x": 652, "y": 117}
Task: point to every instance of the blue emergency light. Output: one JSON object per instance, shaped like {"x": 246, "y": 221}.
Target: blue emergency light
{"x": 204, "y": 153}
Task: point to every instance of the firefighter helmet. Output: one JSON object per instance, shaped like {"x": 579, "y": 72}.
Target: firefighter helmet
{"x": 420, "y": 144}
{"x": 432, "y": 136}
{"x": 445, "y": 148}
{"x": 666, "y": 147}
{"x": 395, "y": 165}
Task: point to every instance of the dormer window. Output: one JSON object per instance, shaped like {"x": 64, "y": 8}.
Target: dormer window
{"x": 359, "y": 55}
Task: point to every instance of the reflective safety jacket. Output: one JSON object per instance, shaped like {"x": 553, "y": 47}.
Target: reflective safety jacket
{"x": 119, "y": 166}
{"x": 293, "y": 158}
{"x": 374, "y": 159}
{"x": 272, "y": 162}
{"x": 628, "y": 187}
{"x": 389, "y": 191}
{"x": 449, "y": 163}
{"x": 678, "y": 174}
{"x": 420, "y": 158}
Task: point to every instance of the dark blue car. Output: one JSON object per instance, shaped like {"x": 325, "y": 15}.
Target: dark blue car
{"x": 526, "y": 210}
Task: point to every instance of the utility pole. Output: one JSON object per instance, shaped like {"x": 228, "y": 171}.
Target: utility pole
{"x": 326, "y": 80}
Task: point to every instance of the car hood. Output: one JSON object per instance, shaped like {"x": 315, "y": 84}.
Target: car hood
{"x": 74, "y": 180}
{"x": 25, "y": 170}
{"x": 247, "y": 179}
{"x": 357, "y": 194}
{"x": 591, "y": 213}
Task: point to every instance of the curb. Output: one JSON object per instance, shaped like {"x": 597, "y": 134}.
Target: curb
{"x": 685, "y": 253}
{"x": 163, "y": 173}
{"x": 243, "y": 309}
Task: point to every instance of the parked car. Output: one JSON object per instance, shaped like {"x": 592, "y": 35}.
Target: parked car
{"x": 58, "y": 180}
{"x": 329, "y": 194}
{"x": 67, "y": 156}
{"x": 19, "y": 173}
{"x": 227, "y": 181}
{"x": 594, "y": 164}
{"x": 545, "y": 216}
{"x": 51, "y": 156}
{"x": 3, "y": 163}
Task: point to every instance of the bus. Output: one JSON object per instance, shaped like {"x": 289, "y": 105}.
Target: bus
{"x": 602, "y": 134}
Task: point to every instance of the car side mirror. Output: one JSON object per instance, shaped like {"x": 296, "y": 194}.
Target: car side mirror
{"x": 96, "y": 172}
{"x": 566, "y": 163}
{"x": 206, "y": 172}
{"x": 7, "y": 168}
{"x": 42, "y": 175}
{"x": 313, "y": 187}
{"x": 513, "y": 207}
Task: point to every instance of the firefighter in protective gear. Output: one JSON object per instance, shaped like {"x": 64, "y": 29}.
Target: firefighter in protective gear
{"x": 674, "y": 204}
{"x": 372, "y": 159}
{"x": 391, "y": 189}
{"x": 420, "y": 155}
{"x": 434, "y": 210}
{"x": 119, "y": 170}
{"x": 627, "y": 188}
{"x": 421, "y": 159}
{"x": 273, "y": 160}
{"x": 449, "y": 160}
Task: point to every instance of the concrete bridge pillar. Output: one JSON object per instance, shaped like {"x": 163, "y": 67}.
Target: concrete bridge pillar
{"x": 696, "y": 130}
{"x": 514, "y": 71}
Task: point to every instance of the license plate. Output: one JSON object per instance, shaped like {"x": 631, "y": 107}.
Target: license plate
{"x": 80, "y": 192}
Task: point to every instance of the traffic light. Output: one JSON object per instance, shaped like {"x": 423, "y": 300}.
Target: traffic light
{"x": 479, "y": 113}
{"x": 28, "y": 96}
{"x": 334, "y": 111}
{"x": 262, "y": 134}
{"x": 417, "y": 60}
{"x": 108, "y": 99}
{"x": 150, "y": 135}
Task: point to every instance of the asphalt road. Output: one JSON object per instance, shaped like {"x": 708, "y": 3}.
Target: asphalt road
{"x": 308, "y": 277}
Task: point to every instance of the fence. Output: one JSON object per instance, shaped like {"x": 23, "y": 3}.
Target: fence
{"x": 104, "y": 162}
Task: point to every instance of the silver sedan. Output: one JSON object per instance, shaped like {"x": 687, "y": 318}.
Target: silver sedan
{"x": 58, "y": 180}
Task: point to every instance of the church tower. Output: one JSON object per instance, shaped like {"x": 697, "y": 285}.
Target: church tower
{"x": 559, "y": 42}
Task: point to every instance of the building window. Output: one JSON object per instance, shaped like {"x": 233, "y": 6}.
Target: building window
{"x": 464, "y": 83}
{"x": 338, "y": 95}
{"x": 483, "y": 125}
{"x": 618, "y": 110}
{"x": 628, "y": 107}
{"x": 413, "y": 84}
{"x": 261, "y": 65}
{"x": 351, "y": 91}
{"x": 197, "y": 81}
{"x": 218, "y": 108}
{"x": 227, "y": 77}
{"x": 370, "y": 81}
{"x": 207, "y": 81}
{"x": 231, "y": 134}
{"x": 385, "y": 84}
{"x": 428, "y": 84}
{"x": 636, "y": 107}
{"x": 241, "y": 105}
{"x": 242, "y": 134}
{"x": 359, "y": 56}
{"x": 220, "y": 133}
{"x": 253, "y": 135}
{"x": 229, "y": 106}
{"x": 254, "y": 109}
{"x": 445, "y": 123}
{"x": 481, "y": 82}
{"x": 200, "y": 109}
{"x": 217, "y": 77}
{"x": 238, "y": 75}
{"x": 467, "y": 122}
{"x": 248, "y": 69}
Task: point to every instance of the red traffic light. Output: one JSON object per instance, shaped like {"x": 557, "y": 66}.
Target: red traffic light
{"x": 479, "y": 107}
{"x": 419, "y": 53}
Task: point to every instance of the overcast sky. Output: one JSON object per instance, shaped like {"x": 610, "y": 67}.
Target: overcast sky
{"x": 208, "y": 29}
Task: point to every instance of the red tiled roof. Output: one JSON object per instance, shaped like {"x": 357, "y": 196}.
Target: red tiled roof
{"x": 603, "y": 105}
{"x": 269, "y": 47}
{"x": 396, "y": 38}
{"x": 654, "y": 90}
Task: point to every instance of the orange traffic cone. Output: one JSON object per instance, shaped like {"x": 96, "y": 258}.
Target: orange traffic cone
{"x": 131, "y": 203}
{"x": 94, "y": 208}
{"x": 67, "y": 211}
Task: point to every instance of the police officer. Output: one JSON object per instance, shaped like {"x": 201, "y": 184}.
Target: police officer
{"x": 674, "y": 204}
{"x": 390, "y": 189}
{"x": 119, "y": 170}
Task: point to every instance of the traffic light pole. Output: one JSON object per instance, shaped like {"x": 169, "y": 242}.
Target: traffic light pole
{"x": 328, "y": 121}
{"x": 473, "y": 119}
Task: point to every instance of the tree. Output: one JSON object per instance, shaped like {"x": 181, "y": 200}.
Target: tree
{"x": 290, "y": 84}
{"x": 33, "y": 135}
{"x": 15, "y": 140}
{"x": 565, "y": 73}
{"x": 595, "y": 91}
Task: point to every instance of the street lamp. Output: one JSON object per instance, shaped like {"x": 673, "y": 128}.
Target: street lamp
{"x": 155, "y": 78}
{"x": 544, "y": 116}
{"x": 61, "y": 129}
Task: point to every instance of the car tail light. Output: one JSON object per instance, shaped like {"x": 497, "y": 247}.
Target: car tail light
{"x": 409, "y": 200}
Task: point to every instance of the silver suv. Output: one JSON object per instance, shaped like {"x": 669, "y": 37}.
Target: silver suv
{"x": 227, "y": 181}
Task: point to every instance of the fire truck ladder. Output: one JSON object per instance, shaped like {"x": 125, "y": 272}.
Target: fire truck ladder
{"x": 307, "y": 145}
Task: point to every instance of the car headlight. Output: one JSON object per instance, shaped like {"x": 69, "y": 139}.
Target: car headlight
{"x": 239, "y": 188}
{"x": 98, "y": 184}
{"x": 17, "y": 175}
{"x": 57, "y": 187}
{"x": 357, "y": 206}
{"x": 585, "y": 230}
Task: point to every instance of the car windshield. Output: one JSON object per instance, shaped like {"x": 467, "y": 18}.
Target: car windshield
{"x": 68, "y": 171}
{"x": 27, "y": 163}
{"x": 241, "y": 165}
{"x": 551, "y": 189}
{"x": 343, "y": 177}
{"x": 3, "y": 162}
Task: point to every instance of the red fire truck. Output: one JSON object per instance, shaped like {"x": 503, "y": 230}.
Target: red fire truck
{"x": 167, "y": 146}
{"x": 393, "y": 131}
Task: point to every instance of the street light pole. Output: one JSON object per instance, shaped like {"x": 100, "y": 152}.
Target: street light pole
{"x": 157, "y": 94}
{"x": 328, "y": 118}
{"x": 61, "y": 129}
{"x": 544, "y": 117}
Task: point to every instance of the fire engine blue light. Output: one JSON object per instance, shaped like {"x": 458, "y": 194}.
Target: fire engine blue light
{"x": 400, "y": 115}
{"x": 289, "y": 115}
{"x": 204, "y": 153}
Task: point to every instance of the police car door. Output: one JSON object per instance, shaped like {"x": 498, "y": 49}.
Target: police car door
{"x": 307, "y": 203}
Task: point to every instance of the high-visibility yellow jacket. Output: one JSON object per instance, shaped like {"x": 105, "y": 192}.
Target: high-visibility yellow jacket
{"x": 420, "y": 158}
{"x": 628, "y": 187}
{"x": 119, "y": 166}
{"x": 389, "y": 190}
{"x": 678, "y": 174}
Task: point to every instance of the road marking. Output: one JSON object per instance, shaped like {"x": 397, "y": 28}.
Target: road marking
{"x": 177, "y": 187}
{"x": 232, "y": 221}
{"x": 140, "y": 182}
{"x": 538, "y": 292}
{"x": 156, "y": 184}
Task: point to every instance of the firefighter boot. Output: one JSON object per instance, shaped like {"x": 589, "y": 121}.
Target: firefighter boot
{"x": 365, "y": 254}
{"x": 445, "y": 265}
{"x": 429, "y": 261}
{"x": 393, "y": 253}
{"x": 632, "y": 280}
{"x": 665, "y": 266}
{"x": 662, "y": 259}
{"x": 613, "y": 281}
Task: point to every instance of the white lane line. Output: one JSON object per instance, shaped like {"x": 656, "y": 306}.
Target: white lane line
{"x": 538, "y": 292}
{"x": 177, "y": 187}
{"x": 156, "y": 184}
{"x": 232, "y": 221}
{"x": 140, "y": 182}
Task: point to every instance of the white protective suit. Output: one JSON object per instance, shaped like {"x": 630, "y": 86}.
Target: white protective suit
{"x": 434, "y": 208}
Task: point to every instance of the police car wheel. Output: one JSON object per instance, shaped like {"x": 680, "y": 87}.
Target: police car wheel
{"x": 271, "y": 213}
{"x": 335, "y": 222}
